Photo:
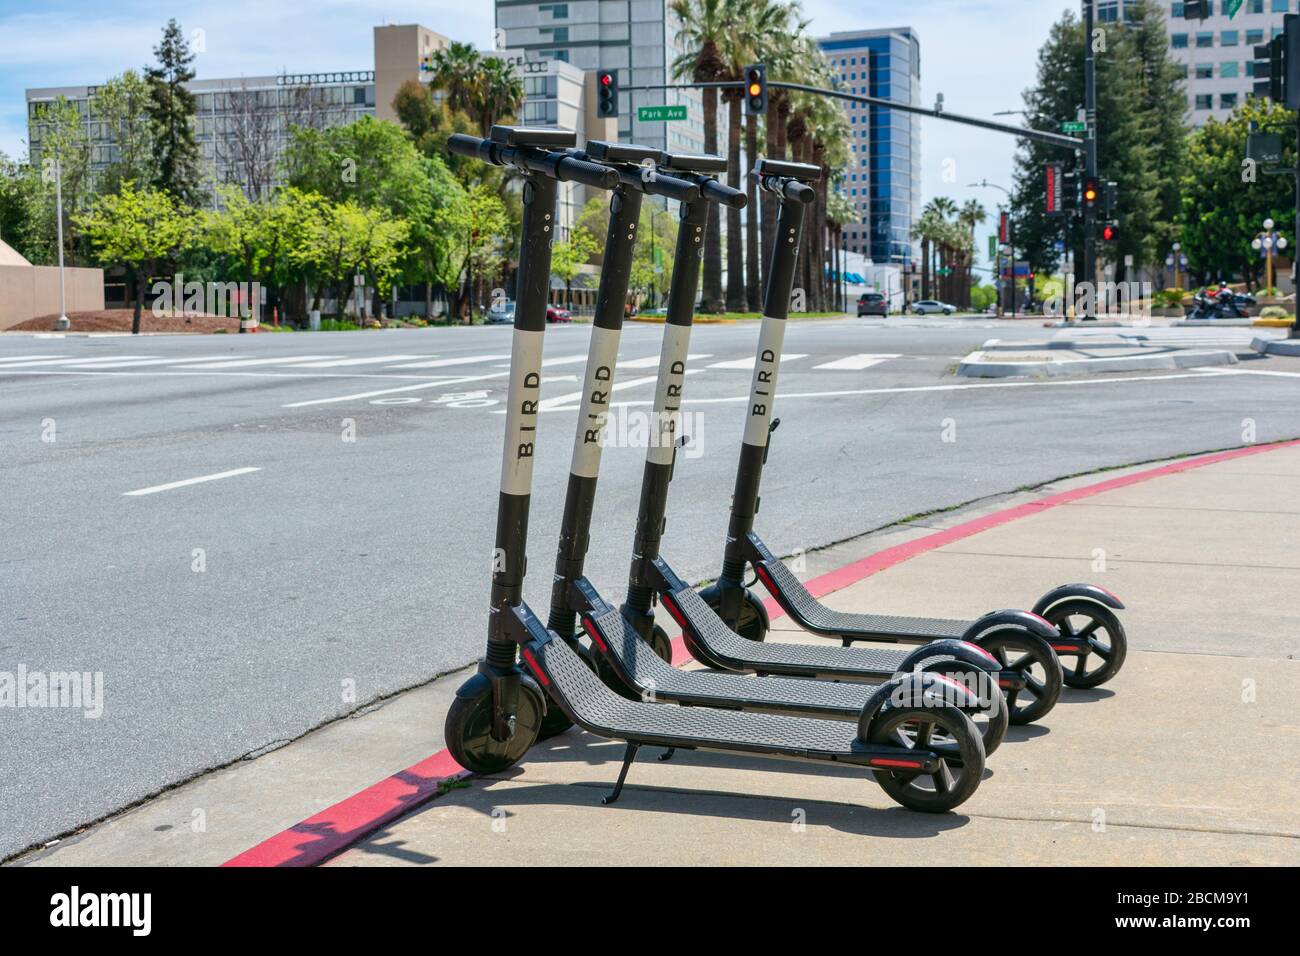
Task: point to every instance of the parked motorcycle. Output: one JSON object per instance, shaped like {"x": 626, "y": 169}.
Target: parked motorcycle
{"x": 1223, "y": 304}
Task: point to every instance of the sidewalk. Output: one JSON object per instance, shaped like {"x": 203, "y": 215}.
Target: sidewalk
{"x": 1186, "y": 758}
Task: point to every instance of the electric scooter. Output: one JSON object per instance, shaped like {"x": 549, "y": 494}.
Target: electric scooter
{"x": 1028, "y": 643}
{"x": 635, "y": 660}
{"x": 913, "y": 731}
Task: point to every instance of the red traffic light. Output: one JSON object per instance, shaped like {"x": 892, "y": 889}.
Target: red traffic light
{"x": 606, "y": 79}
{"x": 1109, "y": 233}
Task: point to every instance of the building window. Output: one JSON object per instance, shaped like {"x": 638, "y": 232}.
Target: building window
{"x": 1255, "y": 6}
{"x": 1228, "y": 38}
{"x": 1204, "y": 101}
{"x": 1254, "y": 37}
{"x": 1205, "y": 71}
{"x": 1181, "y": 69}
{"x": 555, "y": 34}
{"x": 1179, "y": 41}
{"x": 561, "y": 55}
{"x": 1228, "y": 101}
{"x": 558, "y": 11}
{"x": 1204, "y": 39}
{"x": 1176, "y": 12}
{"x": 1280, "y": 6}
{"x": 1228, "y": 70}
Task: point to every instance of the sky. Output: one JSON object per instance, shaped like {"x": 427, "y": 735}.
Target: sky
{"x": 980, "y": 54}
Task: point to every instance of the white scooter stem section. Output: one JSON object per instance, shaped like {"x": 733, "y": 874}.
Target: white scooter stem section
{"x": 668, "y": 394}
{"x": 762, "y": 391}
{"x": 521, "y": 412}
{"x": 602, "y": 356}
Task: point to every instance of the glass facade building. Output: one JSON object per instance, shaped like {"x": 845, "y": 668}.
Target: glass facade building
{"x": 884, "y": 179}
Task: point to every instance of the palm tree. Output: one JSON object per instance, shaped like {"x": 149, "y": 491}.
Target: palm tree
{"x": 783, "y": 59}
{"x": 704, "y": 26}
{"x": 972, "y": 214}
{"x": 927, "y": 229}
{"x": 499, "y": 94}
{"x": 943, "y": 209}
{"x": 457, "y": 71}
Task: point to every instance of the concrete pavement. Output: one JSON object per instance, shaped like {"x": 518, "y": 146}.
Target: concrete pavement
{"x": 1186, "y": 758}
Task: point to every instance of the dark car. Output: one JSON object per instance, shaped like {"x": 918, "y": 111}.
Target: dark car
{"x": 873, "y": 303}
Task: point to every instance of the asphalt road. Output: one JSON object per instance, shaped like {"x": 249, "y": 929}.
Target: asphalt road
{"x": 232, "y": 615}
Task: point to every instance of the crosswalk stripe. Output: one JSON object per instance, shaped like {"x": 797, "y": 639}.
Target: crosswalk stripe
{"x": 462, "y": 360}
{"x": 30, "y": 358}
{"x": 854, "y": 363}
{"x": 249, "y": 362}
{"x": 546, "y": 404}
{"x": 373, "y": 360}
{"x": 29, "y": 363}
{"x": 125, "y": 363}
{"x": 650, "y": 361}
{"x": 748, "y": 363}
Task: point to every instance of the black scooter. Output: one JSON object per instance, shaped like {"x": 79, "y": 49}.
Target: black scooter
{"x": 1073, "y": 619}
{"x": 913, "y": 731}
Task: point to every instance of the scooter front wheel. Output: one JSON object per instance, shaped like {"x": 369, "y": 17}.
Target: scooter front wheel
{"x": 468, "y": 731}
{"x": 1107, "y": 642}
{"x": 990, "y": 721}
{"x": 1034, "y": 658}
{"x": 947, "y": 732}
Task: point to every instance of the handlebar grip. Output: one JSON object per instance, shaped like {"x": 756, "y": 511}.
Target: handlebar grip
{"x": 799, "y": 192}
{"x": 587, "y": 173}
{"x": 714, "y": 191}
{"x": 464, "y": 145}
{"x": 672, "y": 188}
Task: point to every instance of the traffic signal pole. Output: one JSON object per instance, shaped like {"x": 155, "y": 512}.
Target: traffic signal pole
{"x": 1090, "y": 156}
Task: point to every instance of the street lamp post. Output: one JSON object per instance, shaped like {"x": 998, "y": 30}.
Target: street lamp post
{"x": 985, "y": 184}
{"x": 1271, "y": 243}
{"x": 61, "y": 324}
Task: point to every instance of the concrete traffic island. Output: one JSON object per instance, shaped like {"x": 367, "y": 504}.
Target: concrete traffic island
{"x": 1289, "y": 347}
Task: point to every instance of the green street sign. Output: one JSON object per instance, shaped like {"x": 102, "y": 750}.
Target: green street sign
{"x": 993, "y": 247}
{"x": 1230, "y": 7}
{"x": 1074, "y": 127}
{"x": 659, "y": 114}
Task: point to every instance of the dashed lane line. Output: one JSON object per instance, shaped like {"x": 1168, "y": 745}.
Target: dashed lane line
{"x": 392, "y": 391}
{"x": 153, "y": 490}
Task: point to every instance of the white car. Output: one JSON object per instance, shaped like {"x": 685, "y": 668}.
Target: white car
{"x": 932, "y": 307}
{"x": 501, "y": 313}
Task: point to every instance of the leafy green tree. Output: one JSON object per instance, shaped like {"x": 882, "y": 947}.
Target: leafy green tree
{"x": 478, "y": 227}
{"x": 60, "y": 143}
{"x": 370, "y": 162}
{"x": 123, "y": 105}
{"x": 345, "y": 239}
{"x": 1141, "y": 104}
{"x": 1225, "y": 199}
{"x": 171, "y": 110}
{"x": 139, "y": 229}
{"x": 568, "y": 256}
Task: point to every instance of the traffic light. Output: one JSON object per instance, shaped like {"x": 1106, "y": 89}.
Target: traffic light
{"x": 1269, "y": 69}
{"x": 756, "y": 89}
{"x": 607, "y": 93}
{"x": 1110, "y": 196}
{"x": 1091, "y": 192}
{"x": 1195, "y": 9}
{"x": 1070, "y": 192}
{"x": 1110, "y": 232}
{"x": 1291, "y": 61}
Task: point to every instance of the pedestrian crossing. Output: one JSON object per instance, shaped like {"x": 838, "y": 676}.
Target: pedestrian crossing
{"x": 403, "y": 362}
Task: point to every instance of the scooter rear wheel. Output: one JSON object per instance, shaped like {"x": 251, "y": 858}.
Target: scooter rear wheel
{"x": 944, "y": 730}
{"x": 991, "y": 721}
{"x": 1018, "y": 650}
{"x": 753, "y": 624}
{"x": 1083, "y": 620}
{"x": 468, "y": 731}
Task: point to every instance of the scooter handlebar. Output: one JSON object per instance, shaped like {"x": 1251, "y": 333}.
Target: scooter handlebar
{"x": 589, "y": 174}
{"x": 715, "y": 191}
{"x": 464, "y": 145}
{"x": 559, "y": 165}
{"x": 671, "y": 187}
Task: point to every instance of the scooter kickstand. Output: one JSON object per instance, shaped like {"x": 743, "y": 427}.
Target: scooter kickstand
{"x": 628, "y": 757}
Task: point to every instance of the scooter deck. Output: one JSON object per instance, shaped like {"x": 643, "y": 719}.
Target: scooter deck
{"x": 814, "y": 616}
{"x": 572, "y": 684}
{"x": 724, "y": 648}
{"x": 640, "y": 667}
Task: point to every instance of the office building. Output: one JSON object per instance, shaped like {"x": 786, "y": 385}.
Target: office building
{"x": 637, "y": 38}
{"x": 1216, "y": 54}
{"x": 883, "y": 181}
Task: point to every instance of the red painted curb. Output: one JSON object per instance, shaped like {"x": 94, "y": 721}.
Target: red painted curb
{"x": 320, "y": 837}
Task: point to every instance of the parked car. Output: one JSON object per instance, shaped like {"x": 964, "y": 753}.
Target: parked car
{"x": 933, "y": 307}
{"x": 501, "y": 313}
{"x": 555, "y": 314}
{"x": 873, "y": 303}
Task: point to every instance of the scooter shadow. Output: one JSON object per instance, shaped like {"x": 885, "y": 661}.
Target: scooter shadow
{"x": 856, "y": 819}
{"x": 1084, "y": 695}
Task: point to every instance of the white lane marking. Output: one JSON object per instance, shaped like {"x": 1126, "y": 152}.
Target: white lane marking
{"x": 854, "y": 363}
{"x": 546, "y": 404}
{"x": 391, "y": 391}
{"x": 1259, "y": 371}
{"x": 188, "y": 481}
{"x": 463, "y": 360}
{"x": 558, "y": 360}
{"x": 747, "y": 364}
{"x": 650, "y": 361}
{"x": 373, "y": 360}
{"x": 247, "y": 362}
{"x": 124, "y": 363}
{"x": 946, "y": 388}
{"x": 28, "y": 363}
{"x": 29, "y": 358}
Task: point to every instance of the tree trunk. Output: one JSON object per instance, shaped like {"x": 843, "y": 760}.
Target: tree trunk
{"x": 712, "y": 265}
{"x": 752, "y": 293}
{"x": 735, "y": 249}
{"x": 139, "y": 300}
{"x": 428, "y": 301}
{"x": 925, "y": 268}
